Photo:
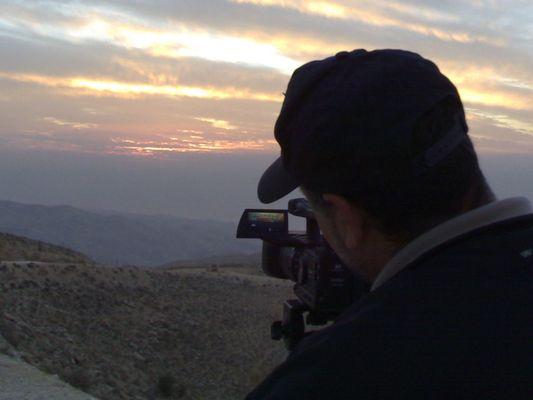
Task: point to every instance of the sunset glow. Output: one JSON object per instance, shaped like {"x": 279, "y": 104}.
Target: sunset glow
{"x": 497, "y": 99}
{"x": 173, "y": 77}
{"x": 190, "y": 145}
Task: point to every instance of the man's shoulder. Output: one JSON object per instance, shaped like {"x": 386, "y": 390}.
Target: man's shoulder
{"x": 490, "y": 264}
{"x": 459, "y": 317}
{"x": 509, "y": 241}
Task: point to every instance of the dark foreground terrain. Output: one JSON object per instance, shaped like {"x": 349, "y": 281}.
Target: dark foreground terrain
{"x": 127, "y": 333}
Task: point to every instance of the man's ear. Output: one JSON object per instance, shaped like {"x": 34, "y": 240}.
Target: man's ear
{"x": 347, "y": 218}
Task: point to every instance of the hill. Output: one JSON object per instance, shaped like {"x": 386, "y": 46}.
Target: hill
{"x": 252, "y": 260}
{"x": 117, "y": 238}
{"x": 14, "y": 248}
{"x": 138, "y": 333}
{"x": 238, "y": 263}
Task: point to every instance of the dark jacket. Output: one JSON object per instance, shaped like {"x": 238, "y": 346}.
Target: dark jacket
{"x": 457, "y": 323}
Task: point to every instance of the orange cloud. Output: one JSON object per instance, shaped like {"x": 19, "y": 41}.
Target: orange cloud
{"x": 106, "y": 87}
{"x": 495, "y": 98}
{"x": 218, "y": 123}
{"x": 488, "y": 87}
{"x": 190, "y": 144}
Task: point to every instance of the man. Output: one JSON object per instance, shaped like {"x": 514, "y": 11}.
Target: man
{"x": 378, "y": 143}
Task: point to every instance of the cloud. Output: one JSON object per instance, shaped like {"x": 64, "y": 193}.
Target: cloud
{"x": 503, "y": 121}
{"x": 147, "y": 71}
{"x": 177, "y": 41}
{"x": 70, "y": 124}
{"x": 104, "y": 87}
{"x": 198, "y": 72}
{"x": 128, "y": 89}
{"x": 103, "y": 61}
{"x": 58, "y": 140}
{"x": 191, "y": 144}
{"x": 363, "y": 12}
{"x": 49, "y": 56}
{"x": 218, "y": 123}
{"x": 495, "y": 98}
{"x": 487, "y": 86}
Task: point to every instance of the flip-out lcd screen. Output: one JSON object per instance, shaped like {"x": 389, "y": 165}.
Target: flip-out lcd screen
{"x": 263, "y": 223}
{"x": 267, "y": 222}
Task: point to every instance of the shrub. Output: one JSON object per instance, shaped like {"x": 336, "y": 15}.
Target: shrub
{"x": 165, "y": 385}
{"x": 78, "y": 378}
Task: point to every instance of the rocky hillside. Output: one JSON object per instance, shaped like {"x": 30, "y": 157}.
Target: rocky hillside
{"x": 253, "y": 259}
{"x": 20, "y": 248}
{"x": 126, "y": 333}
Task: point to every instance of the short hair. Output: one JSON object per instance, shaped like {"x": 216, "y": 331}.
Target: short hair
{"x": 403, "y": 207}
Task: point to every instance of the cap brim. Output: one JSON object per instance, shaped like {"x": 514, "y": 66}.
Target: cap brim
{"x": 275, "y": 183}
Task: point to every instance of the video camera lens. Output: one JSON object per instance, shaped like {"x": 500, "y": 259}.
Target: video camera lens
{"x": 277, "y": 261}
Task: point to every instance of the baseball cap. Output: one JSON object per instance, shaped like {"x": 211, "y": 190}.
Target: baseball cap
{"x": 354, "y": 108}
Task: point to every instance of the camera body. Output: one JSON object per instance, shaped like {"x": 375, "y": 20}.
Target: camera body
{"x": 324, "y": 287}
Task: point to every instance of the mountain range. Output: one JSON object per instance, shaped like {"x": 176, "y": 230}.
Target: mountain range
{"x": 122, "y": 238}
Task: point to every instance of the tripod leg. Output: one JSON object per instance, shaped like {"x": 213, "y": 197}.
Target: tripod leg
{"x": 293, "y": 325}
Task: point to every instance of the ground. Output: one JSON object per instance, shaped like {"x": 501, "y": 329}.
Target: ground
{"x": 130, "y": 333}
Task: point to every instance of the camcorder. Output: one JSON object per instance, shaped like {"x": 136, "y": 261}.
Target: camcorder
{"x": 324, "y": 287}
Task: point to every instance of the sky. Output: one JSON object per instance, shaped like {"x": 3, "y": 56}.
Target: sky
{"x": 168, "y": 106}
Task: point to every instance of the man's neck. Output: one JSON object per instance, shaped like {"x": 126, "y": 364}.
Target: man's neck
{"x": 385, "y": 248}
{"x": 478, "y": 196}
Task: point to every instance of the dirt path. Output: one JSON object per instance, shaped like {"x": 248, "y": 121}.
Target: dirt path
{"x": 21, "y": 381}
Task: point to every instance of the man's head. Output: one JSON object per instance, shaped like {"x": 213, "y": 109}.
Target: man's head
{"x": 378, "y": 143}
